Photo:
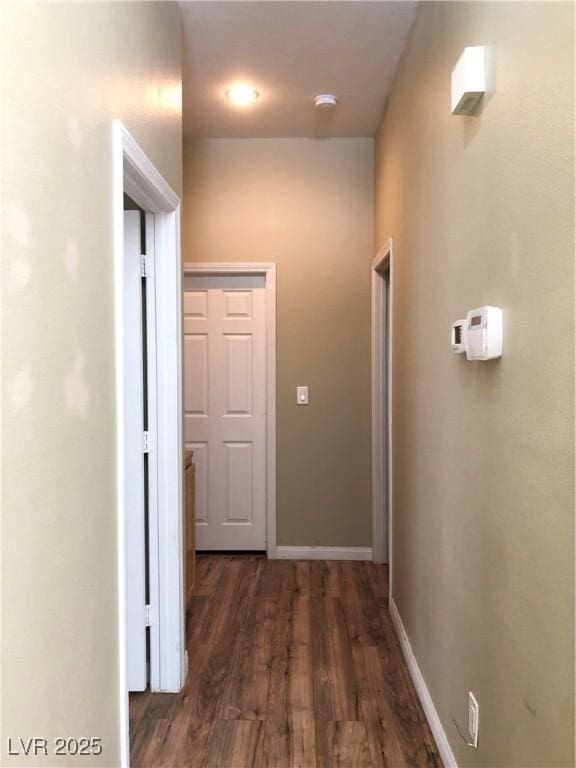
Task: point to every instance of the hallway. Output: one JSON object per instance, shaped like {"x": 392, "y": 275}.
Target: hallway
{"x": 291, "y": 664}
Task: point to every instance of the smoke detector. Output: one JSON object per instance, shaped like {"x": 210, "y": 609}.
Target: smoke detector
{"x": 325, "y": 101}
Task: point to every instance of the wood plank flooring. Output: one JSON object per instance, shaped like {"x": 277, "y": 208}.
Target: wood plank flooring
{"x": 292, "y": 664}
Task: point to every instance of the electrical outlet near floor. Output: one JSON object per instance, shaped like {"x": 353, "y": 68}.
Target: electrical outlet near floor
{"x": 473, "y": 719}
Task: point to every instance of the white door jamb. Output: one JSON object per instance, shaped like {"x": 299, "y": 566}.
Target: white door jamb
{"x": 382, "y": 331}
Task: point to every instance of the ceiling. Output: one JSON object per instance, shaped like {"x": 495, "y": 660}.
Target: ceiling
{"x": 290, "y": 51}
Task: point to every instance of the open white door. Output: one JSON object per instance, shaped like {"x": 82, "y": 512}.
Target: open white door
{"x": 134, "y": 455}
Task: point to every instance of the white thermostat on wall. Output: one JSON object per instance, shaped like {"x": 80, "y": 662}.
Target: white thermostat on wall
{"x": 483, "y": 333}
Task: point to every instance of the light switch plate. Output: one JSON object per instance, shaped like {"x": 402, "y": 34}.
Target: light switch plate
{"x": 302, "y": 395}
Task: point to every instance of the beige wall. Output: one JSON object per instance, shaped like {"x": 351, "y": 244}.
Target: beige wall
{"x": 481, "y": 210}
{"x": 307, "y": 205}
{"x": 68, "y": 69}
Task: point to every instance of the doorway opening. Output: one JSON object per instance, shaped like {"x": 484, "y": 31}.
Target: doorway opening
{"x": 148, "y": 364}
{"x": 230, "y": 402}
{"x": 381, "y": 332}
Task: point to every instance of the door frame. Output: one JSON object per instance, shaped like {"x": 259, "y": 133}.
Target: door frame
{"x": 382, "y": 319}
{"x": 268, "y": 270}
{"x": 135, "y": 174}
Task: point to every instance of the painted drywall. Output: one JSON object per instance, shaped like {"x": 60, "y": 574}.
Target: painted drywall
{"x": 481, "y": 212}
{"x": 68, "y": 69}
{"x": 305, "y": 204}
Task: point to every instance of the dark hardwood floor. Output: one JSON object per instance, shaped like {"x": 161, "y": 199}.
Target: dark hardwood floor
{"x": 291, "y": 664}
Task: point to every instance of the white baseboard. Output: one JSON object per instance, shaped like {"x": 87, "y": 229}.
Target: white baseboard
{"x": 438, "y": 732}
{"x": 324, "y": 553}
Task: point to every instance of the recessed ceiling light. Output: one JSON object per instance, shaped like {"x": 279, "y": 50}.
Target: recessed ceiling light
{"x": 325, "y": 101}
{"x": 242, "y": 94}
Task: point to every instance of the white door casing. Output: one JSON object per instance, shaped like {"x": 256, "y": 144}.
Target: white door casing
{"x": 134, "y": 455}
{"x": 134, "y": 174}
{"x": 225, "y": 407}
{"x": 382, "y": 318}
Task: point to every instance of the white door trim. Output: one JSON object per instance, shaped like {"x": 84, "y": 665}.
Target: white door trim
{"x": 133, "y": 173}
{"x": 382, "y": 434}
{"x": 269, "y": 271}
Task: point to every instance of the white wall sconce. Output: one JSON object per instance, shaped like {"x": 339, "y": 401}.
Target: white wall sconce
{"x": 469, "y": 80}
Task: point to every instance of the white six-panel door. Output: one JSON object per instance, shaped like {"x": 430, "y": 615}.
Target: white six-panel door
{"x": 225, "y": 408}
{"x": 134, "y": 456}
